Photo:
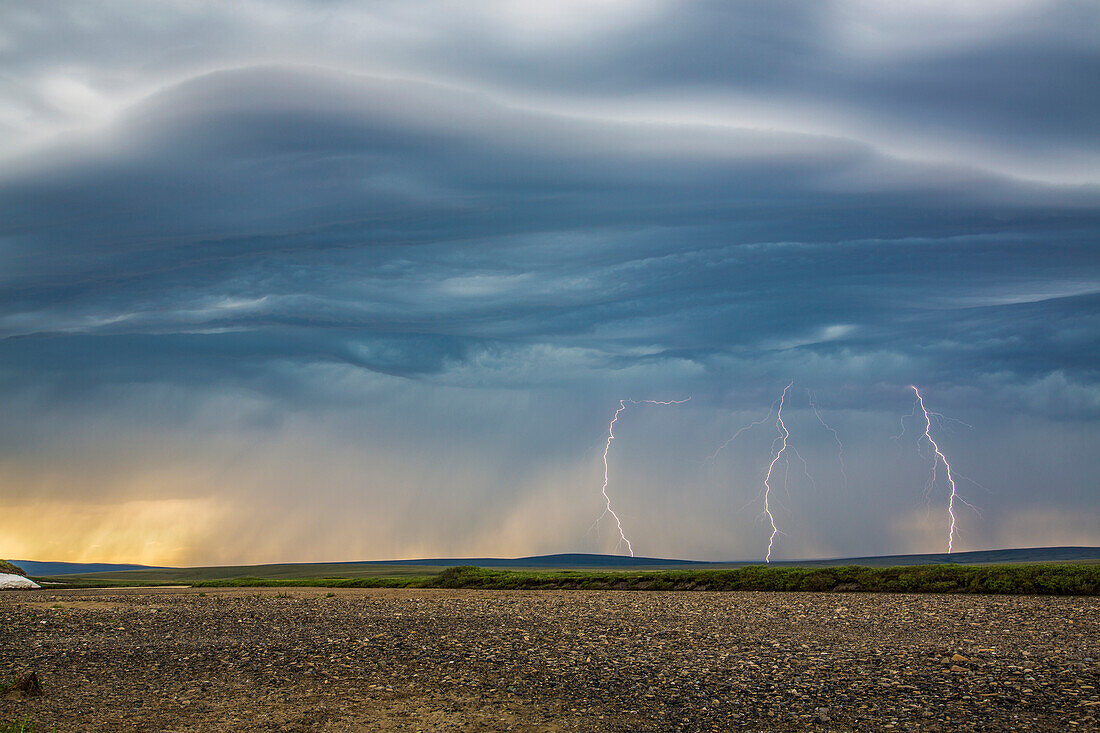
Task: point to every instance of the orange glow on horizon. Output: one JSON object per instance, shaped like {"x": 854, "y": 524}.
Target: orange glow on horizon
{"x": 146, "y": 532}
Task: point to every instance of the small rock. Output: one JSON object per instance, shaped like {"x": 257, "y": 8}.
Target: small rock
{"x": 28, "y": 685}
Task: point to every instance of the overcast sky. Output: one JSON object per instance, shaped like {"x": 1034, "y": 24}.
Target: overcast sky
{"x": 337, "y": 281}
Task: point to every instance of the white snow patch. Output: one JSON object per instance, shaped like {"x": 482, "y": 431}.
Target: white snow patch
{"x": 16, "y": 581}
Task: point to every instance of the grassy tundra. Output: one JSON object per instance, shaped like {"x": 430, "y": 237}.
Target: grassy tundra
{"x": 1027, "y": 579}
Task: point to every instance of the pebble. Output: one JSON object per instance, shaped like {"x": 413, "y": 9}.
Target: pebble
{"x": 270, "y": 660}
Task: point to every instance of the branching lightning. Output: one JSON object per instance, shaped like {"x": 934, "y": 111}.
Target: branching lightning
{"x": 805, "y": 469}
{"x": 742, "y": 429}
{"x": 784, "y": 434}
{"x": 606, "y": 476}
{"x": 937, "y": 457}
{"x": 781, "y": 450}
{"x": 836, "y": 437}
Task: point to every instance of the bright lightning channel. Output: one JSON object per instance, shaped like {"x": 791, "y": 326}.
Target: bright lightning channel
{"x": 783, "y": 440}
{"x": 784, "y": 434}
{"x": 606, "y": 477}
{"x": 939, "y": 456}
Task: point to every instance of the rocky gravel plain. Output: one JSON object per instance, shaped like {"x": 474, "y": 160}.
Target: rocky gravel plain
{"x": 462, "y": 660}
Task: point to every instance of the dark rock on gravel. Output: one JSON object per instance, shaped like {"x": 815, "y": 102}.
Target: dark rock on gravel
{"x": 28, "y": 685}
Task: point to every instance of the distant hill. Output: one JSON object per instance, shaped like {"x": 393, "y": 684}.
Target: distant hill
{"x": 39, "y": 569}
{"x": 560, "y": 560}
{"x": 588, "y": 561}
{"x": 563, "y": 561}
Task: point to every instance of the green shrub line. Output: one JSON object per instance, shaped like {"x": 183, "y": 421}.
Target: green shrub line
{"x": 1038, "y": 579}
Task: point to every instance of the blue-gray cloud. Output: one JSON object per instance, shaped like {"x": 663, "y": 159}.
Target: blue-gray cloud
{"x": 555, "y": 217}
{"x": 315, "y": 215}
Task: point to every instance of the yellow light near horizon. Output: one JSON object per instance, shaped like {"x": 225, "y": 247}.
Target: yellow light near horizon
{"x": 147, "y": 532}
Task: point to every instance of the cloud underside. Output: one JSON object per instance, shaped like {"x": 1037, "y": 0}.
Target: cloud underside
{"x": 300, "y": 215}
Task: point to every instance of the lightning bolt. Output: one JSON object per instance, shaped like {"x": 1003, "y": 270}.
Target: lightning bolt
{"x": 785, "y": 447}
{"x": 606, "y": 476}
{"x": 937, "y": 457}
{"x": 740, "y": 430}
{"x": 805, "y": 470}
{"x": 784, "y": 434}
{"x": 836, "y": 437}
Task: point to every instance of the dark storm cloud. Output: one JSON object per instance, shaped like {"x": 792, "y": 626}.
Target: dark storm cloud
{"x": 299, "y": 203}
{"x": 311, "y": 215}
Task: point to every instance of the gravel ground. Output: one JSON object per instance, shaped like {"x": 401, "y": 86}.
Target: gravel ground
{"x": 432, "y": 660}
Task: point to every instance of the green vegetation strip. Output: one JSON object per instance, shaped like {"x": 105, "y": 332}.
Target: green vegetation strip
{"x": 998, "y": 579}
{"x": 1028, "y": 579}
